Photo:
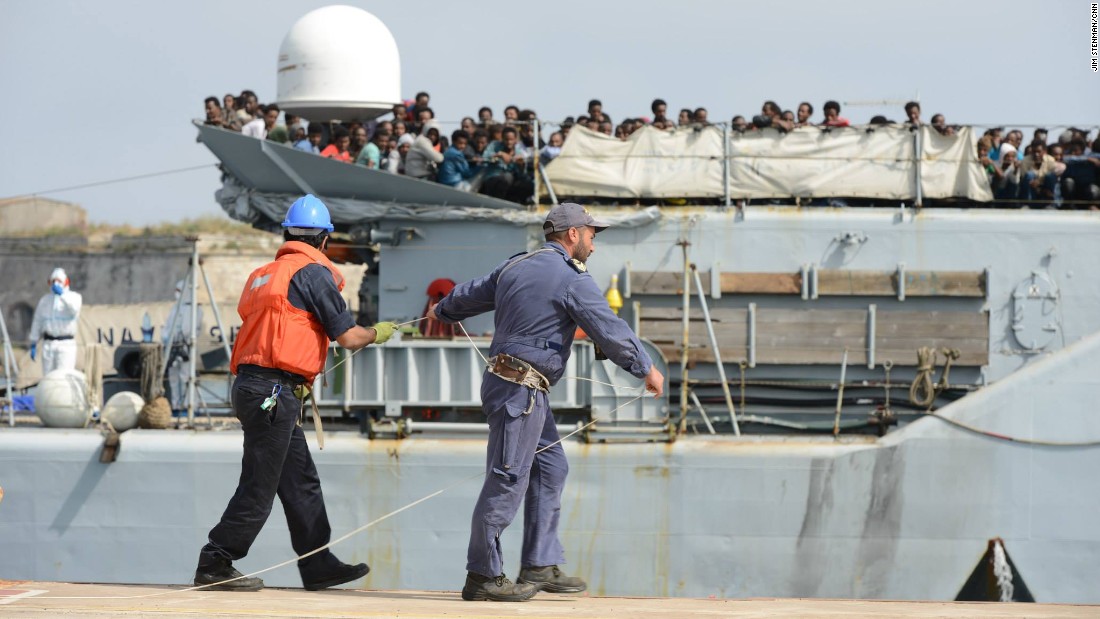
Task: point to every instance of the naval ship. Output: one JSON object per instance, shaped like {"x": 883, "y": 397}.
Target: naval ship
{"x": 890, "y": 401}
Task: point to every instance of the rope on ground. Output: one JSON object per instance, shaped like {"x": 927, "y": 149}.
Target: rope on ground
{"x": 341, "y": 538}
{"x": 273, "y": 567}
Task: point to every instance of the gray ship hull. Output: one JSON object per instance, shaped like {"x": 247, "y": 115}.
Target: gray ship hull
{"x": 906, "y": 516}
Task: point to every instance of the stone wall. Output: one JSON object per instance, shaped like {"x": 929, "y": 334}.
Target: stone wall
{"x": 35, "y": 214}
{"x": 141, "y": 270}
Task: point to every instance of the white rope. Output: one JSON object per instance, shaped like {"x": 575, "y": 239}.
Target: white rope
{"x": 474, "y": 344}
{"x": 585, "y": 426}
{"x": 277, "y": 566}
{"x": 590, "y": 423}
{"x": 353, "y": 353}
{"x": 346, "y": 535}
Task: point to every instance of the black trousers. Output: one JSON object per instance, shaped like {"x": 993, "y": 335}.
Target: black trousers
{"x": 276, "y": 462}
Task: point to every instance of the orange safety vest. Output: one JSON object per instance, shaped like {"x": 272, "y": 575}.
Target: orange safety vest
{"x": 274, "y": 333}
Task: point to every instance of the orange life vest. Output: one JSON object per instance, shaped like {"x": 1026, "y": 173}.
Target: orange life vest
{"x": 274, "y": 333}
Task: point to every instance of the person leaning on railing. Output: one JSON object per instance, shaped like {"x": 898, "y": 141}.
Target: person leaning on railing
{"x": 422, "y": 158}
{"x": 506, "y": 176}
{"x": 455, "y": 171}
{"x": 1081, "y": 180}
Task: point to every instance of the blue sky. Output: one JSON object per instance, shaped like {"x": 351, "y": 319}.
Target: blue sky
{"x": 102, "y": 90}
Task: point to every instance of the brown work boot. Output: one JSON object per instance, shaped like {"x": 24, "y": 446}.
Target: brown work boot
{"x": 496, "y": 589}
{"x": 551, "y": 579}
{"x": 222, "y": 570}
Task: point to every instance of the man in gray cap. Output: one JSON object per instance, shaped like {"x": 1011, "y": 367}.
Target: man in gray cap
{"x": 540, "y": 299}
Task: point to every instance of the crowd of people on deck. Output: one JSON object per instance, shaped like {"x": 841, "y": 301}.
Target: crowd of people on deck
{"x": 497, "y": 157}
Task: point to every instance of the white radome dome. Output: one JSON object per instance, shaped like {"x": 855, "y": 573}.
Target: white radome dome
{"x": 338, "y": 63}
{"x": 60, "y": 400}
{"x": 122, "y": 410}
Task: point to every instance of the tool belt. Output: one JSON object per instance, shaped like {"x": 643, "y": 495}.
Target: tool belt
{"x": 518, "y": 371}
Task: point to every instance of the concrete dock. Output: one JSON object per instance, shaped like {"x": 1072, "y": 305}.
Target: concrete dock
{"x": 50, "y": 599}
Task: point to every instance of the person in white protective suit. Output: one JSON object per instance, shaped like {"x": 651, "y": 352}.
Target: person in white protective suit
{"x": 55, "y": 322}
{"x": 176, "y": 344}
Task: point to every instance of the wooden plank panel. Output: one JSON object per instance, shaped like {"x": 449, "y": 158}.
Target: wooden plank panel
{"x": 945, "y": 284}
{"x": 900, "y": 358}
{"x": 913, "y": 343}
{"x": 668, "y": 283}
{"x": 830, "y": 282}
{"x": 932, "y": 317}
{"x": 705, "y": 355}
{"x": 801, "y": 330}
{"x": 794, "y": 316}
{"x": 698, "y": 338}
{"x": 668, "y": 328}
{"x": 664, "y": 282}
{"x": 700, "y": 343}
{"x": 817, "y": 336}
{"x": 908, "y": 357}
{"x": 839, "y": 282}
{"x": 717, "y": 314}
{"x": 842, "y": 282}
{"x": 932, "y": 330}
{"x": 761, "y": 283}
{"x": 785, "y": 356}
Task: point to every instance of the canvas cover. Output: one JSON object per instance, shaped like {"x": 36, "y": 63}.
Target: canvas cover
{"x": 809, "y": 162}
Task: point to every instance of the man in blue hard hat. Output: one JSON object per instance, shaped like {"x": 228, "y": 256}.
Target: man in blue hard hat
{"x": 540, "y": 299}
{"x": 290, "y": 309}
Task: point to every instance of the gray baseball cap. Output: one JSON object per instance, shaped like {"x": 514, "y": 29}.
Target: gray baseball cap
{"x": 570, "y": 215}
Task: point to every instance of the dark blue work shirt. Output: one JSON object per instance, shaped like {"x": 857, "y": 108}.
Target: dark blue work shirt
{"x": 540, "y": 299}
{"x": 312, "y": 289}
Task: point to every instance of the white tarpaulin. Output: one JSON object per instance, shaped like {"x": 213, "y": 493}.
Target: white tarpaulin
{"x": 807, "y": 162}
{"x": 950, "y": 168}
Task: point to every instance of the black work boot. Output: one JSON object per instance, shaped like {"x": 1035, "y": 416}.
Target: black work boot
{"x": 328, "y": 571}
{"x": 496, "y": 589}
{"x": 552, "y": 579}
{"x": 220, "y": 570}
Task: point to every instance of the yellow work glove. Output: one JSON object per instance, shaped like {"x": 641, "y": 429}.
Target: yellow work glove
{"x": 383, "y": 331}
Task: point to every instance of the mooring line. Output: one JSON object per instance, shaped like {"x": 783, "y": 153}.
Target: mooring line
{"x": 365, "y": 526}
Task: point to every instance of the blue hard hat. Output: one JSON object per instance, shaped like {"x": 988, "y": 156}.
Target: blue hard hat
{"x": 308, "y": 212}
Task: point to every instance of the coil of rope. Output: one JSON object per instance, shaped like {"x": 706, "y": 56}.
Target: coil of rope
{"x": 923, "y": 391}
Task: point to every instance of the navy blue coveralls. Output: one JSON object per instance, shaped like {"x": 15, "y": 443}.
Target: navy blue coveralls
{"x": 540, "y": 299}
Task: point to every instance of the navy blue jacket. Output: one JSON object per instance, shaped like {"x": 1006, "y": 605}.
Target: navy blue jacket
{"x": 540, "y": 299}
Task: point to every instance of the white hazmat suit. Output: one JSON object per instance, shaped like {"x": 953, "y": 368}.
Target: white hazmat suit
{"x": 55, "y": 322}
